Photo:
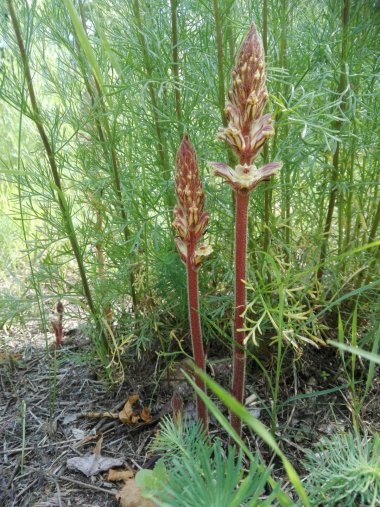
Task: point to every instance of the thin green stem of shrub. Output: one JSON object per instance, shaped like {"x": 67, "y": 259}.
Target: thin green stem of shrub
{"x": 221, "y": 77}
{"x": 356, "y": 403}
{"x": 175, "y": 63}
{"x": 268, "y": 190}
{"x": 161, "y": 141}
{"x": 341, "y": 92}
{"x": 279, "y": 359}
{"x": 53, "y": 386}
{"x": 35, "y": 284}
{"x": 102, "y": 125}
{"x": 63, "y": 205}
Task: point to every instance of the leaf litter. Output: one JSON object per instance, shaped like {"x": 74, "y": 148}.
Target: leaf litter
{"x": 57, "y": 400}
{"x": 93, "y": 464}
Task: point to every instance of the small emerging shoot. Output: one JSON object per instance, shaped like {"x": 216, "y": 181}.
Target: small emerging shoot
{"x": 57, "y": 325}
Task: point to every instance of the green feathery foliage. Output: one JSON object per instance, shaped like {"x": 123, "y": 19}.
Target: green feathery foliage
{"x": 344, "y": 470}
{"x": 115, "y": 95}
{"x": 202, "y": 474}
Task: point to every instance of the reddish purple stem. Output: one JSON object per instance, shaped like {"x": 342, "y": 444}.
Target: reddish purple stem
{"x": 196, "y": 332}
{"x": 239, "y": 355}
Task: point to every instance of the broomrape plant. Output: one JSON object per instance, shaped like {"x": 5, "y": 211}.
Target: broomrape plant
{"x": 247, "y": 131}
{"x": 190, "y": 222}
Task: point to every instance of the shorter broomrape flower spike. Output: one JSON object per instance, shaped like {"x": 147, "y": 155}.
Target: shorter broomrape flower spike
{"x": 190, "y": 221}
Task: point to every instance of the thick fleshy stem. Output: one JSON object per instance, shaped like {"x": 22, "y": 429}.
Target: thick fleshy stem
{"x": 196, "y": 331}
{"x": 239, "y": 354}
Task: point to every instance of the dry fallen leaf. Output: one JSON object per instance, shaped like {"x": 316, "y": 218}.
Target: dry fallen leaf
{"x": 99, "y": 415}
{"x": 95, "y": 463}
{"x": 119, "y": 475}
{"x": 145, "y": 415}
{"x": 127, "y": 414}
{"x": 133, "y": 411}
{"x": 98, "y": 446}
{"x": 130, "y": 496}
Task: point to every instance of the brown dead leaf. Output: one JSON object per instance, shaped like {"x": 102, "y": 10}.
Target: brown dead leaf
{"x": 145, "y": 415}
{"x": 99, "y": 415}
{"x": 119, "y": 475}
{"x": 133, "y": 411}
{"x": 130, "y": 496}
{"x": 127, "y": 414}
{"x": 95, "y": 463}
{"x": 98, "y": 446}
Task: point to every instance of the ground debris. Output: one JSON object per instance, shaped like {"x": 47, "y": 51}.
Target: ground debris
{"x": 44, "y": 395}
{"x": 94, "y": 463}
{"x": 130, "y": 496}
{"x": 58, "y": 387}
{"x": 132, "y": 412}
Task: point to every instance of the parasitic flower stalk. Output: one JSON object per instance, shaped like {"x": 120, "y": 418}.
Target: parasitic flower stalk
{"x": 57, "y": 325}
{"x": 190, "y": 222}
{"x": 247, "y": 131}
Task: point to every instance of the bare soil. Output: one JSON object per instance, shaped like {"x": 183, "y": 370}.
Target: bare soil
{"x": 46, "y": 394}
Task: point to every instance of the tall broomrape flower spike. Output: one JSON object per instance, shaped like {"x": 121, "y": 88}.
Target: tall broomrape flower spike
{"x": 247, "y": 131}
{"x": 190, "y": 222}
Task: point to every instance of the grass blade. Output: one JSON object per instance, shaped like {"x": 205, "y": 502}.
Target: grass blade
{"x": 258, "y": 427}
{"x": 370, "y": 356}
{"x": 84, "y": 42}
{"x": 223, "y": 421}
